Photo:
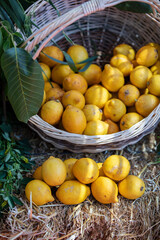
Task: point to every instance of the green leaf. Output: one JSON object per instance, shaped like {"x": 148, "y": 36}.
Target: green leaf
{"x": 68, "y": 38}
{"x": 7, "y": 44}
{"x": 17, "y": 201}
{"x": 85, "y": 67}
{"x": 1, "y": 42}
{"x": 25, "y": 82}
{"x": 18, "y": 10}
{"x": 2, "y": 175}
{"x": 91, "y": 59}
{"x": 25, "y": 180}
{"x": 7, "y": 157}
{"x": 10, "y": 202}
{"x": 5, "y": 16}
{"x": 135, "y": 7}
{"x": 70, "y": 62}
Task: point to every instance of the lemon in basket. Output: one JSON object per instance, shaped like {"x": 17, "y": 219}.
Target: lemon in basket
{"x": 129, "y": 119}
{"x": 48, "y": 85}
{"x": 78, "y": 54}
{"x": 92, "y": 74}
{"x": 153, "y": 85}
{"x": 55, "y": 94}
{"x": 59, "y": 72}
{"x": 73, "y": 120}
{"x": 155, "y": 45}
{"x": 124, "y": 49}
{"x": 131, "y": 187}
{"x": 128, "y": 94}
{"x": 92, "y": 112}
{"x": 155, "y": 69}
{"x": 147, "y": 56}
{"x": 39, "y": 191}
{"x": 75, "y": 81}
{"x": 112, "y": 126}
{"x": 72, "y": 192}
{"x": 96, "y": 127}
{"x": 46, "y": 71}
{"x": 44, "y": 98}
{"x": 69, "y": 165}
{"x": 74, "y": 98}
{"x": 51, "y": 51}
{"x": 54, "y": 171}
{"x": 116, "y": 167}
{"x": 122, "y": 62}
{"x": 104, "y": 190}
{"x": 85, "y": 170}
{"x": 112, "y": 78}
{"x": 139, "y": 76}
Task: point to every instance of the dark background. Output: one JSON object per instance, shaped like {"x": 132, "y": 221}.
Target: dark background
{"x": 26, "y": 3}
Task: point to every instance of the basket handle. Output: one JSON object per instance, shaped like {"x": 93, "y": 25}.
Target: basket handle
{"x": 60, "y": 23}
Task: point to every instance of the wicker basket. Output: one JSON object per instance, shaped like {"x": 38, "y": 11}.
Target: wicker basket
{"x": 98, "y": 23}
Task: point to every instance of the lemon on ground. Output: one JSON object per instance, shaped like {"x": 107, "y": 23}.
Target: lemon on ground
{"x": 46, "y": 71}
{"x": 122, "y": 62}
{"x": 131, "y": 187}
{"x": 44, "y": 98}
{"x": 40, "y": 192}
{"x": 147, "y": 56}
{"x": 97, "y": 95}
{"x": 146, "y": 104}
{"x": 92, "y": 74}
{"x": 53, "y": 52}
{"x": 72, "y": 192}
{"x": 153, "y": 85}
{"x": 104, "y": 190}
{"x": 51, "y": 112}
{"x": 75, "y": 81}
{"x": 96, "y": 127}
{"x": 129, "y": 119}
{"x": 38, "y": 173}
{"x": 92, "y": 112}
{"x": 116, "y": 167}
{"x": 155, "y": 69}
{"x": 78, "y": 54}
{"x": 112, "y": 78}
{"x": 73, "y": 120}
{"x": 69, "y": 165}
{"x": 54, "y": 171}
{"x": 128, "y": 94}
{"x": 49, "y": 85}
{"x": 114, "y": 109}
{"x": 113, "y": 127}
{"x": 101, "y": 173}
{"x": 126, "y": 50}
{"x": 139, "y": 76}
{"x": 59, "y": 72}
{"x": 85, "y": 170}
{"x": 55, "y": 94}
{"x": 74, "y": 98}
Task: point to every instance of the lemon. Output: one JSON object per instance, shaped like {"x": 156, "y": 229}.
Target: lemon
{"x": 78, "y": 54}
{"x": 104, "y": 190}
{"x": 72, "y": 192}
{"x": 112, "y": 78}
{"x": 157, "y": 46}
{"x": 147, "y": 56}
{"x": 122, "y": 63}
{"x": 44, "y": 98}
{"x": 85, "y": 170}
{"x": 51, "y": 51}
{"x": 131, "y": 187}
{"x": 40, "y": 192}
{"x": 38, "y": 173}
{"x": 74, "y": 98}
{"x": 75, "y": 81}
{"x": 92, "y": 112}
{"x": 129, "y": 119}
{"x": 155, "y": 69}
{"x": 54, "y": 93}
{"x": 46, "y": 71}
{"x": 92, "y": 74}
{"x": 49, "y": 85}
{"x": 139, "y": 76}
{"x": 128, "y": 94}
{"x": 113, "y": 127}
{"x": 59, "y": 72}
{"x": 96, "y": 127}
{"x": 153, "y": 85}
{"x": 69, "y": 165}
{"x": 116, "y": 167}
{"x": 100, "y": 167}
{"x": 124, "y": 49}
{"x": 54, "y": 171}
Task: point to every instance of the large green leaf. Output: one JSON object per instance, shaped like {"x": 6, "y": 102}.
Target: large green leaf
{"x": 25, "y": 82}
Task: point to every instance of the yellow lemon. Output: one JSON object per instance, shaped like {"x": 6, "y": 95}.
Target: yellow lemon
{"x": 113, "y": 127}
{"x": 129, "y": 119}
{"x": 59, "y": 72}
{"x": 155, "y": 45}
{"x": 75, "y": 81}
{"x": 55, "y": 94}
{"x": 85, "y": 170}
{"x": 51, "y": 112}
{"x": 74, "y": 98}
{"x": 104, "y": 190}
{"x": 92, "y": 74}
{"x": 122, "y": 63}
{"x": 49, "y": 85}
{"x": 96, "y": 127}
{"x": 44, "y": 98}
{"x": 116, "y": 167}
{"x": 46, "y": 71}
{"x": 40, "y": 192}
{"x": 97, "y": 95}
{"x": 124, "y": 49}
{"x": 128, "y": 94}
{"x": 78, "y": 54}
{"x": 69, "y": 165}
{"x": 147, "y": 56}
{"x": 114, "y": 109}
{"x": 131, "y": 187}
{"x": 101, "y": 173}
{"x": 54, "y": 171}
{"x": 112, "y": 78}
{"x": 92, "y": 112}
{"x": 153, "y": 85}
{"x": 72, "y": 192}
{"x": 155, "y": 69}
{"x": 146, "y": 104}
{"x": 38, "y": 173}
{"x": 139, "y": 76}
{"x": 51, "y": 51}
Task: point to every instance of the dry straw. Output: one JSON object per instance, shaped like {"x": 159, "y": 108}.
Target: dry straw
{"x": 99, "y": 26}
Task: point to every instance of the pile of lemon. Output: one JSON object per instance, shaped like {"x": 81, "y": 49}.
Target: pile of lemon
{"x": 100, "y": 101}
{"x": 75, "y": 179}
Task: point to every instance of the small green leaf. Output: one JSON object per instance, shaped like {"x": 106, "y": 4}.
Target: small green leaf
{"x": 7, "y": 157}
{"x": 91, "y": 59}
{"x": 1, "y": 42}
{"x": 70, "y": 62}
{"x": 10, "y": 202}
{"x": 5, "y": 16}
{"x": 135, "y": 7}
{"x": 54, "y": 59}
{"x": 68, "y": 38}
{"x": 17, "y": 201}
{"x": 6, "y": 136}
{"x": 7, "y": 44}
{"x": 2, "y": 175}
{"x": 85, "y": 67}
